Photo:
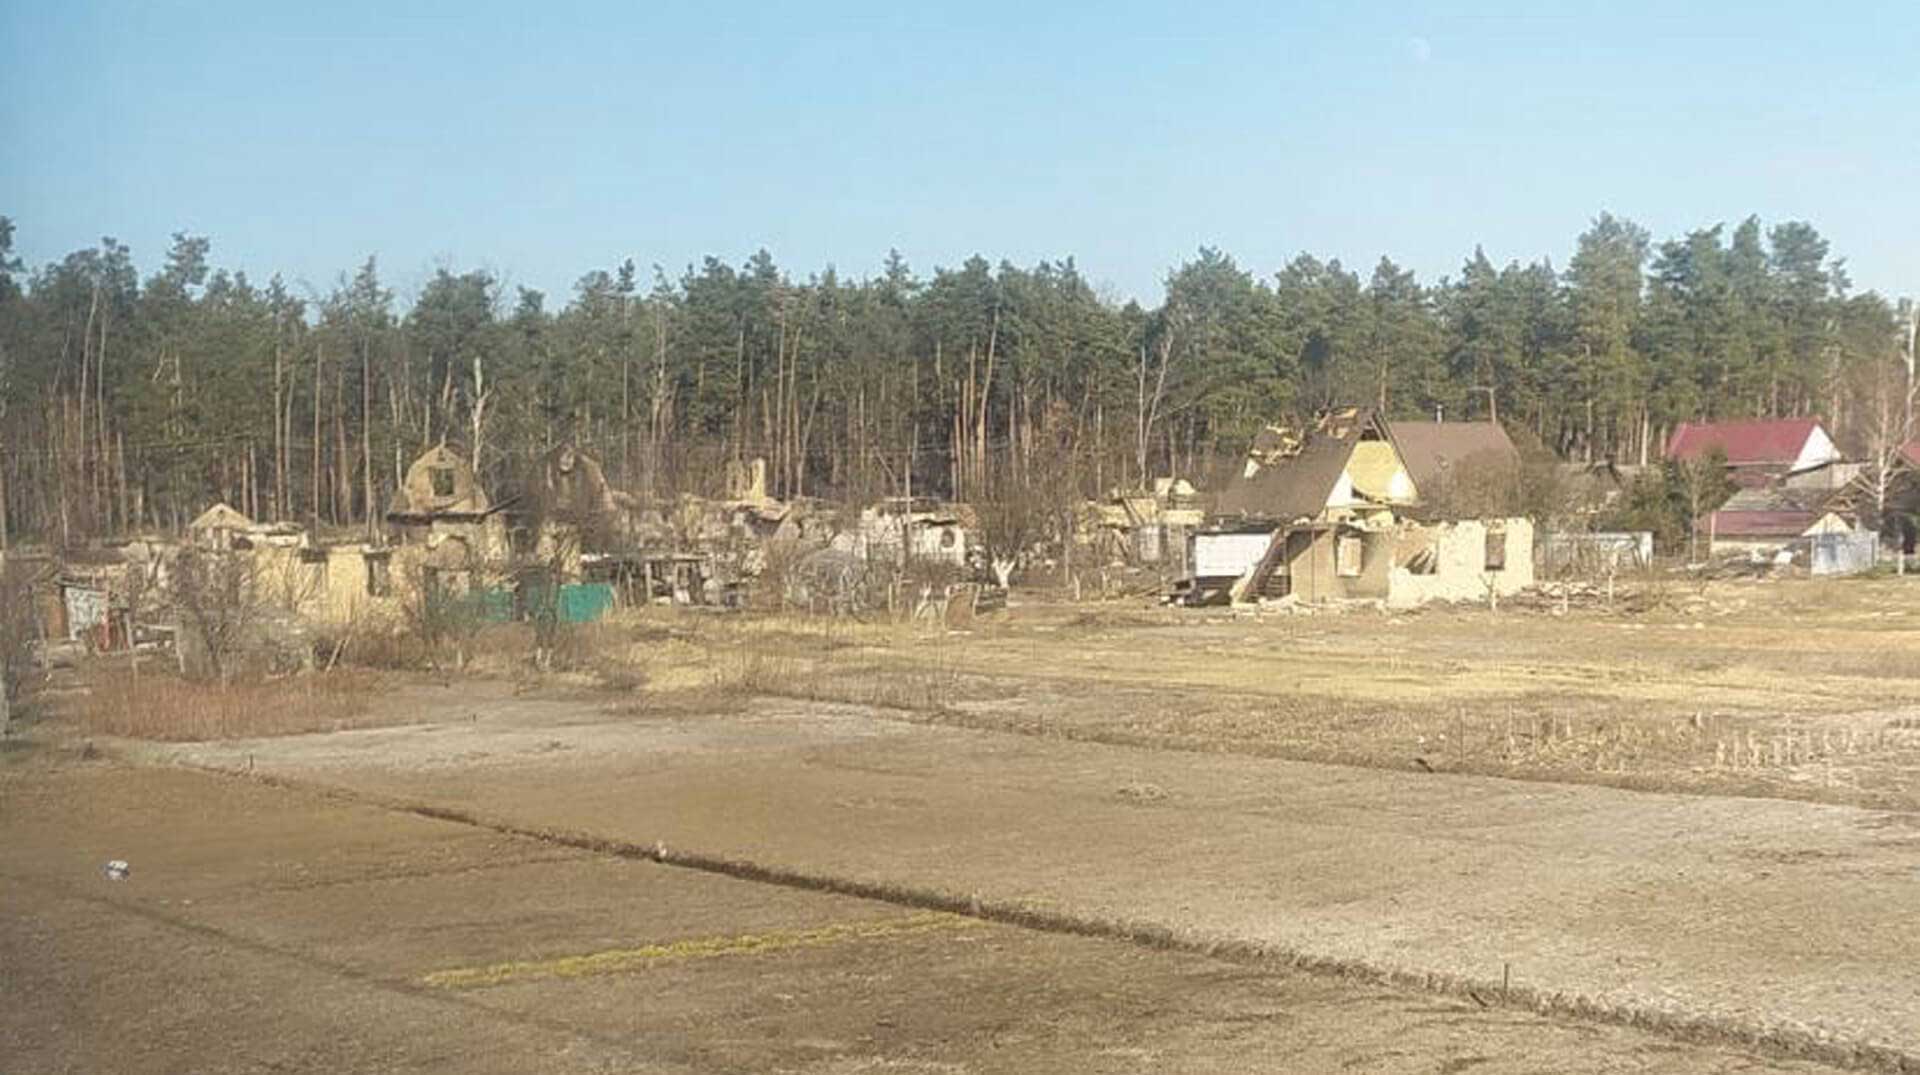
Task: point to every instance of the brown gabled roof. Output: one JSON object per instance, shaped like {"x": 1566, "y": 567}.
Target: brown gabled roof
{"x": 1289, "y": 484}
{"x": 220, "y": 517}
{"x": 1778, "y": 499}
{"x": 1771, "y": 512}
{"x": 1762, "y": 524}
{"x": 1433, "y": 450}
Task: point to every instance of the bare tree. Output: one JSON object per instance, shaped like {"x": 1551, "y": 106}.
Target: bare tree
{"x": 17, "y": 632}
{"x": 218, "y": 597}
{"x": 1703, "y": 485}
{"x": 1150, "y": 395}
{"x": 1011, "y": 523}
{"x": 541, "y": 574}
{"x": 1032, "y": 505}
{"x": 440, "y": 612}
{"x": 1887, "y": 396}
{"x": 481, "y": 394}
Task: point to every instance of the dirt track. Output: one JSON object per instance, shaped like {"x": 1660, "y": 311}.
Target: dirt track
{"x": 1749, "y": 915}
{"x": 270, "y": 929}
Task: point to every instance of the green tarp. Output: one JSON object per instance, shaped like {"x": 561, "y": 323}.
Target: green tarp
{"x": 581, "y": 602}
{"x": 585, "y": 602}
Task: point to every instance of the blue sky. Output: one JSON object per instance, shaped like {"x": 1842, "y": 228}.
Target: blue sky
{"x": 543, "y": 140}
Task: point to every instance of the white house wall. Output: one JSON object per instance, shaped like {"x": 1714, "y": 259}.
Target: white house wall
{"x": 1460, "y": 572}
{"x": 1342, "y": 495}
{"x": 1818, "y": 450}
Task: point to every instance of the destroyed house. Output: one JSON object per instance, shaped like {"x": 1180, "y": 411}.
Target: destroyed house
{"x": 1346, "y": 465}
{"x": 441, "y": 506}
{"x": 219, "y": 527}
{"x": 440, "y": 485}
{"x": 1314, "y": 516}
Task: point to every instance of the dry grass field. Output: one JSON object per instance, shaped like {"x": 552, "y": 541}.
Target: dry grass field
{"x": 1806, "y": 689}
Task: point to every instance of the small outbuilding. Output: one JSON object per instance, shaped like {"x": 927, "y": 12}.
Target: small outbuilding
{"x": 1762, "y": 522}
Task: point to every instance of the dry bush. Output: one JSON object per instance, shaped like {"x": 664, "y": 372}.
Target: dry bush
{"x": 780, "y": 562}
{"x": 929, "y": 684}
{"x": 220, "y": 603}
{"x": 385, "y": 646}
{"x": 611, "y": 656}
{"x": 18, "y": 631}
{"x": 152, "y": 705}
{"x": 753, "y": 672}
{"x": 440, "y": 619}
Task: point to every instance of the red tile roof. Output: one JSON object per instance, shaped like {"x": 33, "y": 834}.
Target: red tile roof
{"x": 1759, "y": 441}
{"x": 1911, "y": 450}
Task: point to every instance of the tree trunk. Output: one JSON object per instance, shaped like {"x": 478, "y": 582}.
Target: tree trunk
{"x": 366, "y": 436}
{"x": 986, "y": 394}
{"x": 342, "y": 479}
{"x": 313, "y": 464}
{"x": 103, "y": 446}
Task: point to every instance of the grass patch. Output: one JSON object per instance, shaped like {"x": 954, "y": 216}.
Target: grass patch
{"x": 630, "y": 960}
{"x": 160, "y": 706}
{"x": 927, "y": 686}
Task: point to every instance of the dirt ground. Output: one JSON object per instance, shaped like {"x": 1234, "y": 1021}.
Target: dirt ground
{"x": 266, "y": 929}
{"x": 1331, "y": 788}
{"x": 1749, "y": 916}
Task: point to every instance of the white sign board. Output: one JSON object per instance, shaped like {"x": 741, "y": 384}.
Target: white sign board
{"x": 1217, "y": 556}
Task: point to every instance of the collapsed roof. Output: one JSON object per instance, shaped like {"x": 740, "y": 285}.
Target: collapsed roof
{"x": 1291, "y": 474}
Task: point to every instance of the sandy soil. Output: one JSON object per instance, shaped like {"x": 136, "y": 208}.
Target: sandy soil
{"x": 270, "y": 929}
{"x": 1749, "y": 915}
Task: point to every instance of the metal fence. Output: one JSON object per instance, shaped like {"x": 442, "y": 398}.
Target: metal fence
{"x": 1597, "y": 553}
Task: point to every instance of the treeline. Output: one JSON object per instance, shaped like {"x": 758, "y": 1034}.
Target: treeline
{"x": 128, "y": 404}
